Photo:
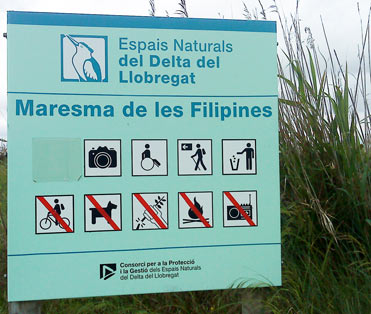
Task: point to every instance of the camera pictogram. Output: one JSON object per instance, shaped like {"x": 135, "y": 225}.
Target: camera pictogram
{"x": 102, "y": 158}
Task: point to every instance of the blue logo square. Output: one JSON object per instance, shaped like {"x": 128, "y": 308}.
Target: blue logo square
{"x": 84, "y": 58}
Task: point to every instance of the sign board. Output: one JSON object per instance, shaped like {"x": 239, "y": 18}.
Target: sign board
{"x": 143, "y": 155}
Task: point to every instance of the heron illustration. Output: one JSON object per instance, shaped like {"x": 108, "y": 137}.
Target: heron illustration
{"x": 85, "y": 65}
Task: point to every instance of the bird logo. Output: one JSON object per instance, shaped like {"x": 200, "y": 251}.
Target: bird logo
{"x": 86, "y": 66}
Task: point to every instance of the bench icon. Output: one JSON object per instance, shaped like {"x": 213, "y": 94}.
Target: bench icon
{"x": 95, "y": 213}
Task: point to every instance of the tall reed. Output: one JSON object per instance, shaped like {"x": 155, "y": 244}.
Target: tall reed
{"x": 325, "y": 163}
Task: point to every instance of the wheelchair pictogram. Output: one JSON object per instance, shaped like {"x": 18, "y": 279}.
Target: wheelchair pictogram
{"x": 148, "y": 162}
{"x": 149, "y": 157}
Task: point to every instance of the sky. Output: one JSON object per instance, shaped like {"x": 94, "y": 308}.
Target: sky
{"x": 340, "y": 17}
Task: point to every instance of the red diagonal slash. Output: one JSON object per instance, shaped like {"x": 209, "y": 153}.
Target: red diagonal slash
{"x": 195, "y": 210}
{"x": 103, "y": 212}
{"x": 240, "y": 209}
{"x": 54, "y": 213}
{"x": 150, "y": 210}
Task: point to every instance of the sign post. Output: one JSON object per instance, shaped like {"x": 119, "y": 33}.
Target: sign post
{"x": 143, "y": 155}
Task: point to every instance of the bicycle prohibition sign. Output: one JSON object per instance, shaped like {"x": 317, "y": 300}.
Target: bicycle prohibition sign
{"x": 48, "y": 215}
{"x": 46, "y": 222}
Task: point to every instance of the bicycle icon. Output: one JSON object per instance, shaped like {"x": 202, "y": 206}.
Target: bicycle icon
{"x": 46, "y": 222}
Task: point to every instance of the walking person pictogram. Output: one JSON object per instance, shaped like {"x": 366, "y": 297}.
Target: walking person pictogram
{"x": 195, "y": 157}
{"x": 250, "y": 155}
{"x": 200, "y": 152}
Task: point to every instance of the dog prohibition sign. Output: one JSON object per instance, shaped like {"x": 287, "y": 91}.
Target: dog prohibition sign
{"x": 102, "y": 212}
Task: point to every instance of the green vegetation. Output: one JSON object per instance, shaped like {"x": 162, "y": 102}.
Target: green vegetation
{"x": 325, "y": 182}
{"x": 325, "y": 164}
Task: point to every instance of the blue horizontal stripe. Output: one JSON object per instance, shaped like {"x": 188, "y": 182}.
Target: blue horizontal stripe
{"x": 94, "y": 20}
{"x": 147, "y": 249}
{"x": 145, "y": 95}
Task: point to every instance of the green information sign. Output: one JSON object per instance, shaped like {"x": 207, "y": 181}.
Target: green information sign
{"x": 143, "y": 155}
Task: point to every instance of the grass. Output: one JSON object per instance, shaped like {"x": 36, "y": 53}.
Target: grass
{"x": 325, "y": 179}
{"x": 325, "y": 164}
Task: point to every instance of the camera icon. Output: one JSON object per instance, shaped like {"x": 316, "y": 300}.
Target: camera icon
{"x": 234, "y": 214}
{"x": 103, "y": 157}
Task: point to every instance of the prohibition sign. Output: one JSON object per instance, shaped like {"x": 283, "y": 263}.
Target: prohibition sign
{"x": 103, "y": 212}
{"x": 54, "y": 213}
{"x": 195, "y": 210}
{"x": 238, "y": 206}
{"x": 150, "y": 210}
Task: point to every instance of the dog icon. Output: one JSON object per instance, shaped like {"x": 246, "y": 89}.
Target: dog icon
{"x": 96, "y": 214}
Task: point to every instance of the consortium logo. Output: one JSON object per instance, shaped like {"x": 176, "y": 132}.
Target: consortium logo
{"x": 84, "y": 58}
{"x": 107, "y": 271}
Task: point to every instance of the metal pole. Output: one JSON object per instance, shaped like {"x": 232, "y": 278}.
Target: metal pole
{"x": 27, "y": 307}
{"x": 251, "y": 303}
